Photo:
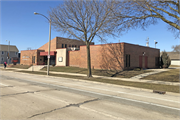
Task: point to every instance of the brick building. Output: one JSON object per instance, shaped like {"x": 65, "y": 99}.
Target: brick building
{"x": 70, "y": 52}
{"x": 39, "y": 56}
{"x": 119, "y": 56}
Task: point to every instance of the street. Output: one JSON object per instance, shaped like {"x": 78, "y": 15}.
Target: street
{"x": 27, "y": 96}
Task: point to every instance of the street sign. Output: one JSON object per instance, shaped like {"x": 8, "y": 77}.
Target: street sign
{"x": 48, "y": 56}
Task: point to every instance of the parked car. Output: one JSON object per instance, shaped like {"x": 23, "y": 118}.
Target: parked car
{"x": 14, "y": 60}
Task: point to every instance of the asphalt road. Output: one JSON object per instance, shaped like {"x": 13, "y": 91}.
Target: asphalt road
{"x": 34, "y": 97}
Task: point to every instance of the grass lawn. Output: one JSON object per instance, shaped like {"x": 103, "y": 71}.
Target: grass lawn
{"x": 168, "y": 76}
{"x": 151, "y": 86}
{"x": 174, "y": 66}
{"x": 121, "y": 74}
{"x": 20, "y": 66}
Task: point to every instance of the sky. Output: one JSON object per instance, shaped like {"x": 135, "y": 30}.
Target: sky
{"x": 22, "y": 28}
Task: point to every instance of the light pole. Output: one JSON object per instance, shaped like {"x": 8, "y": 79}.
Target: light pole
{"x": 49, "y": 20}
{"x": 8, "y": 50}
{"x": 155, "y": 43}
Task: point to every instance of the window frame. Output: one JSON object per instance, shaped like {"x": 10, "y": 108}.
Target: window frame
{"x": 128, "y": 60}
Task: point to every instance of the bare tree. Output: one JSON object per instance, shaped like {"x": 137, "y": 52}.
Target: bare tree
{"x": 83, "y": 20}
{"x": 142, "y": 13}
{"x": 176, "y": 48}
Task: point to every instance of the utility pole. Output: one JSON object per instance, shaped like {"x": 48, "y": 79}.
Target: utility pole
{"x": 147, "y": 43}
{"x": 8, "y": 51}
{"x": 155, "y": 43}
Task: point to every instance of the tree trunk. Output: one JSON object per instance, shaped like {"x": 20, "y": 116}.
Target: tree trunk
{"x": 88, "y": 61}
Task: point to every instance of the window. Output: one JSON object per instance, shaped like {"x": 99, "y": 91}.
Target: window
{"x": 69, "y": 45}
{"x": 72, "y": 45}
{"x": 33, "y": 59}
{"x": 15, "y": 53}
{"x": 156, "y": 61}
{"x": 75, "y": 46}
{"x": 65, "y": 45}
{"x": 127, "y": 60}
{"x": 62, "y": 46}
{"x": 2, "y": 59}
{"x": 2, "y": 52}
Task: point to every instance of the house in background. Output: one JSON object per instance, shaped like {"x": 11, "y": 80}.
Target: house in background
{"x": 13, "y": 52}
{"x": 175, "y": 57}
{"x": 70, "y": 52}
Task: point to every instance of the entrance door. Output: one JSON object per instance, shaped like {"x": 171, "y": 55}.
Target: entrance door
{"x": 146, "y": 62}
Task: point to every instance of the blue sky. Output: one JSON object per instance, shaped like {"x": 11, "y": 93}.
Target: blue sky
{"x": 22, "y": 28}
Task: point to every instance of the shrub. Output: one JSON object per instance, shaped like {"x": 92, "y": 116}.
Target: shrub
{"x": 137, "y": 69}
{"x": 165, "y": 60}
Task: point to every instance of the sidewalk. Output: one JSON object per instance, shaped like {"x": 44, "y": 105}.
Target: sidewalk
{"x": 149, "y": 73}
{"x": 112, "y": 78}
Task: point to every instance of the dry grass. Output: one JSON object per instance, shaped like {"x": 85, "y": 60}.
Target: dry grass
{"x": 168, "y": 76}
{"x": 174, "y": 66}
{"x": 19, "y": 66}
{"x": 150, "y": 86}
{"x": 120, "y": 74}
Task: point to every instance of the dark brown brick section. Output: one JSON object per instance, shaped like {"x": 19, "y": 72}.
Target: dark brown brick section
{"x": 135, "y": 51}
{"x": 57, "y": 42}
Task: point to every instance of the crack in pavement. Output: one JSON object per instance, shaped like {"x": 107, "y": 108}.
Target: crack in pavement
{"x": 25, "y": 92}
{"x": 6, "y": 86}
{"x": 75, "y": 105}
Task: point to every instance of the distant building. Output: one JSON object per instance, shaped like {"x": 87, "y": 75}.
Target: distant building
{"x": 175, "y": 57}
{"x": 13, "y": 52}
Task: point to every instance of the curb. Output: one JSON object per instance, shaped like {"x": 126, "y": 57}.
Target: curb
{"x": 126, "y": 87}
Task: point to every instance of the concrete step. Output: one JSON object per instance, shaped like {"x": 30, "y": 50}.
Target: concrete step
{"x": 36, "y": 67}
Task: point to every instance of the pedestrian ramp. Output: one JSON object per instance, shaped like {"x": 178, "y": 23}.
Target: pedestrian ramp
{"x": 36, "y": 67}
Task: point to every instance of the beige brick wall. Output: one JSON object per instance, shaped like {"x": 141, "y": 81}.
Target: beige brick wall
{"x": 61, "y": 53}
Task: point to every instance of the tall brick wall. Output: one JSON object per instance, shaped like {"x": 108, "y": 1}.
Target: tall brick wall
{"x": 53, "y": 45}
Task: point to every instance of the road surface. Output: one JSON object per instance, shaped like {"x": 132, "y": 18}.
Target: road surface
{"x": 34, "y": 97}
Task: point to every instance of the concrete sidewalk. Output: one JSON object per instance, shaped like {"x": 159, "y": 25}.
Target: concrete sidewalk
{"x": 112, "y": 78}
{"x": 149, "y": 73}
